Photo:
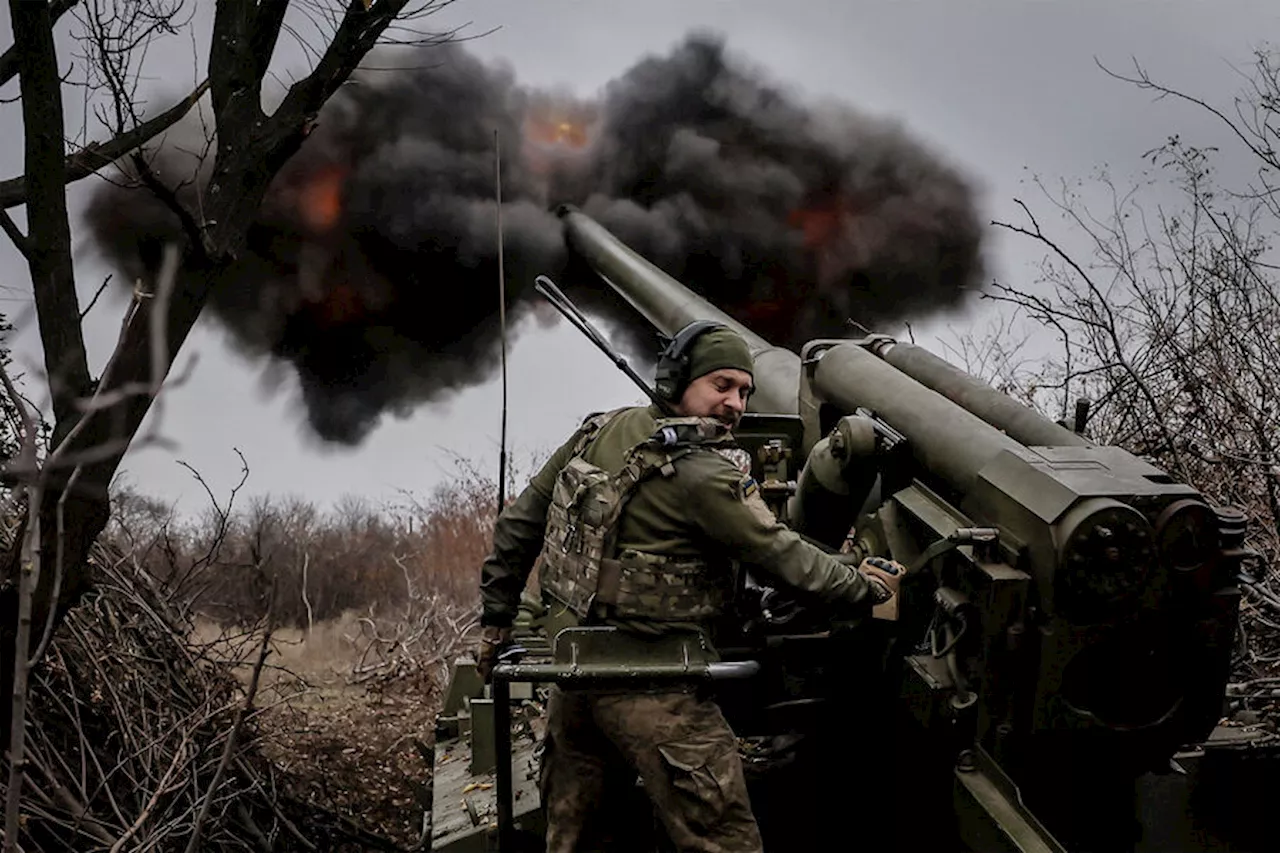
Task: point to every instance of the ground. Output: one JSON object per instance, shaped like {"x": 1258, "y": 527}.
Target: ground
{"x": 358, "y": 754}
{"x": 360, "y": 749}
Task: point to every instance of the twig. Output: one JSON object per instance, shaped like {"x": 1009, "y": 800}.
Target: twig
{"x": 97, "y": 293}
{"x": 163, "y": 788}
{"x": 306, "y": 561}
{"x": 229, "y": 748}
{"x": 28, "y": 579}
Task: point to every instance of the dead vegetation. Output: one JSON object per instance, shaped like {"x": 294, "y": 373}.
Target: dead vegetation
{"x": 262, "y": 678}
{"x": 56, "y": 477}
{"x": 1159, "y": 304}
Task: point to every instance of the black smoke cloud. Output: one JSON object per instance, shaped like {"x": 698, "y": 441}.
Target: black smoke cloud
{"x": 372, "y": 265}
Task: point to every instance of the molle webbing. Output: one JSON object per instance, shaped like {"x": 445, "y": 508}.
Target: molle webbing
{"x": 646, "y": 585}
{"x": 579, "y": 564}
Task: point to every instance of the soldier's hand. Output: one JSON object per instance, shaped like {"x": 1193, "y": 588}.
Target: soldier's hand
{"x": 884, "y": 575}
{"x": 491, "y": 642}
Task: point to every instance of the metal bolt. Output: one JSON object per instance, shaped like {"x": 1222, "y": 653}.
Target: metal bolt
{"x": 836, "y": 444}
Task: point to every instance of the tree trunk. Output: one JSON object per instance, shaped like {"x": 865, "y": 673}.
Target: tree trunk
{"x": 48, "y": 250}
{"x": 252, "y": 147}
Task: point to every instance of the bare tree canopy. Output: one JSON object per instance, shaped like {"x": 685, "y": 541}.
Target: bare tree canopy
{"x": 64, "y": 479}
{"x": 1163, "y": 301}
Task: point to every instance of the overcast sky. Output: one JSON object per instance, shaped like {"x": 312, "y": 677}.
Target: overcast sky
{"x": 1002, "y": 89}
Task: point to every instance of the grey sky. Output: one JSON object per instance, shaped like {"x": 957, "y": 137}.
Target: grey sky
{"x": 999, "y": 88}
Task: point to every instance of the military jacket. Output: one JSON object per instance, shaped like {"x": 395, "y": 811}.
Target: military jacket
{"x": 709, "y": 510}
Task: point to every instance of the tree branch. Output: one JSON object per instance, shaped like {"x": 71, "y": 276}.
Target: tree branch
{"x": 15, "y": 234}
{"x": 359, "y": 31}
{"x": 192, "y": 228}
{"x": 9, "y": 59}
{"x": 94, "y": 156}
{"x": 1144, "y": 81}
{"x": 27, "y": 581}
{"x": 97, "y": 293}
{"x": 1109, "y": 327}
{"x": 266, "y": 32}
{"x": 253, "y": 147}
{"x": 231, "y": 67}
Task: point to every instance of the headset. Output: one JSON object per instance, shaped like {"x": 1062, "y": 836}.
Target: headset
{"x": 672, "y": 375}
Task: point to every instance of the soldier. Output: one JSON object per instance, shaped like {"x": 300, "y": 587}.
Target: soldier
{"x": 639, "y": 518}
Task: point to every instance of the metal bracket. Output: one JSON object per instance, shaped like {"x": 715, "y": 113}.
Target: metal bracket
{"x": 1001, "y": 802}
{"x": 590, "y": 656}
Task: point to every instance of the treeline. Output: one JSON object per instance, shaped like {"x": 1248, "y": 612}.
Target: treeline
{"x": 307, "y": 564}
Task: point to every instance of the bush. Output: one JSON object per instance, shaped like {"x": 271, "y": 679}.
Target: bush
{"x": 229, "y": 565}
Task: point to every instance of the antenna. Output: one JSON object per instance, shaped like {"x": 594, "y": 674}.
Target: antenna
{"x": 565, "y": 306}
{"x": 502, "y": 324}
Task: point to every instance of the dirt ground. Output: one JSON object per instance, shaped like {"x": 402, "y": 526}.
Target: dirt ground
{"x": 359, "y": 750}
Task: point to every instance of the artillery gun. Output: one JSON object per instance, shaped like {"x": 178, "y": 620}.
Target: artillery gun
{"x": 1063, "y": 636}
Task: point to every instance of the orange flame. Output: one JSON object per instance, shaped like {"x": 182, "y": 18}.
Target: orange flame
{"x": 555, "y": 131}
{"x": 320, "y": 201}
{"x": 820, "y": 225}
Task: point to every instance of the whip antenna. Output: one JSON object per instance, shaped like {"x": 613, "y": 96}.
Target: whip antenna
{"x": 502, "y": 325}
{"x": 565, "y": 306}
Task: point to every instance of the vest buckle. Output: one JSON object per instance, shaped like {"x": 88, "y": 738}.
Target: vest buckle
{"x": 570, "y": 536}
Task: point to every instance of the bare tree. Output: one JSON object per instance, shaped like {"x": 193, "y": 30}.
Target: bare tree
{"x": 1168, "y": 320}
{"x": 96, "y": 420}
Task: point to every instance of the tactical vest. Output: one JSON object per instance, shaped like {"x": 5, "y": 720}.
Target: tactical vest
{"x": 580, "y": 568}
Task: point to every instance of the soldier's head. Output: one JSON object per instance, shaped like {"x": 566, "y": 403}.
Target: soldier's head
{"x": 707, "y": 372}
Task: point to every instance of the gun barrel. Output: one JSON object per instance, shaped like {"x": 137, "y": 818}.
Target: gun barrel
{"x": 669, "y": 306}
{"x": 1019, "y": 422}
{"x": 945, "y": 438}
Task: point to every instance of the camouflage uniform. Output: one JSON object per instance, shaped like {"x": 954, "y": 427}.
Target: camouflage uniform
{"x": 706, "y": 511}
{"x": 677, "y": 742}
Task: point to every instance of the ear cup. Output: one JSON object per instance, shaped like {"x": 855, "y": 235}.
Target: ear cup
{"x": 672, "y": 374}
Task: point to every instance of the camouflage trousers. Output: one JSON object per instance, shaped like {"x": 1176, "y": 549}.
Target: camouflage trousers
{"x": 678, "y": 744}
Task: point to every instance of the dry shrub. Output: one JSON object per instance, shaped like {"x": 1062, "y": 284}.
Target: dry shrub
{"x": 128, "y": 723}
{"x": 1164, "y": 311}
{"x": 357, "y": 557}
{"x": 331, "y": 647}
{"x": 132, "y": 709}
{"x": 383, "y": 591}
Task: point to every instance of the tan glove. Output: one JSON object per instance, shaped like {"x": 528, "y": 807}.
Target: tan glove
{"x": 491, "y": 642}
{"x": 885, "y": 576}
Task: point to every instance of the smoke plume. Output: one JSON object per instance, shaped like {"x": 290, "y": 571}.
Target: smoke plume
{"x": 372, "y": 268}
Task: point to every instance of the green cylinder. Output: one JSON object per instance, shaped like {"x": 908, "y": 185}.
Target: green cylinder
{"x": 669, "y": 306}
{"x": 1020, "y": 422}
{"x": 838, "y": 475}
{"x": 944, "y": 438}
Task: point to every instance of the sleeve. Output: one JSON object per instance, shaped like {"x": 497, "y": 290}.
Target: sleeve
{"x": 517, "y": 541}
{"x": 727, "y": 507}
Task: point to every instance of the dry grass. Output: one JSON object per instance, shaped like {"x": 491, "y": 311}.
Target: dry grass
{"x": 351, "y": 746}
{"x": 330, "y": 650}
{"x": 141, "y": 693}
{"x": 372, "y": 603}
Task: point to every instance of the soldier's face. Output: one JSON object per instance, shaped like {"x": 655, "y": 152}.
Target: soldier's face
{"x": 721, "y": 394}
